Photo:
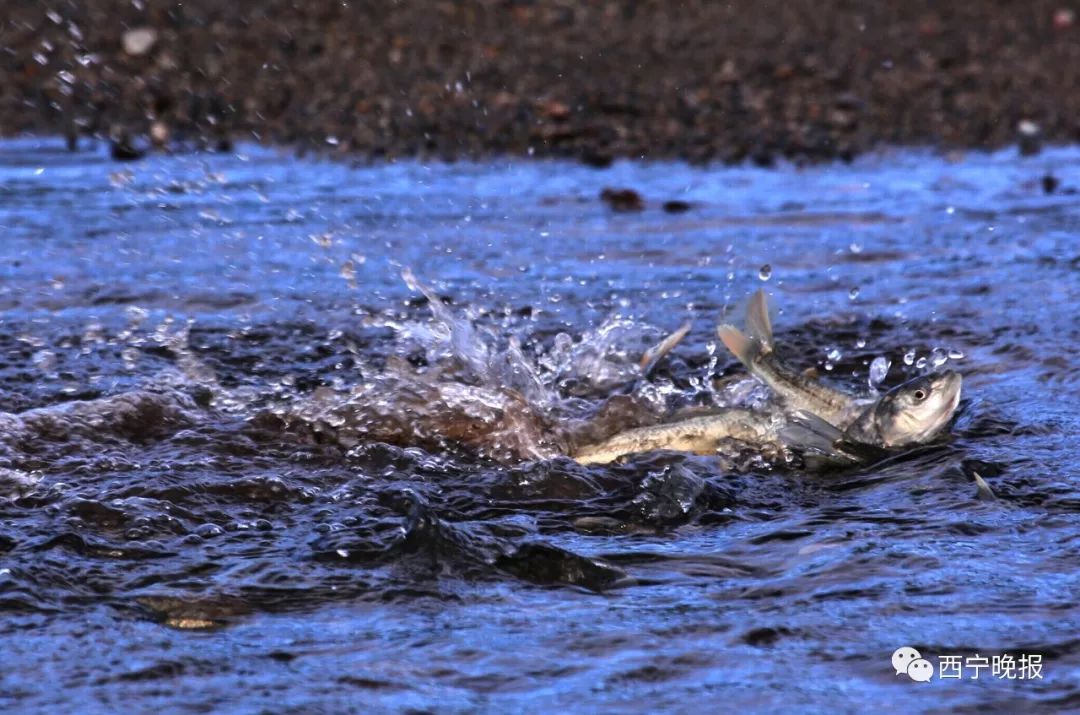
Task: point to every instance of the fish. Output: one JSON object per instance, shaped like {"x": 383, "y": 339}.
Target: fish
{"x": 755, "y": 349}
{"x": 699, "y": 435}
{"x": 912, "y": 413}
{"x": 816, "y": 419}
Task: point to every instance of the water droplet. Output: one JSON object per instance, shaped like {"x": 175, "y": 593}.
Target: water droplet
{"x": 860, "y": 343}
{"x": 909, "y": 357}
{"x": 765, "y": 272}
{"x": 130, "y": 357}
{"x": 955, "y": 354}
{"x": 136, "y": 314}
{"x": 334, "y": 419}
{"x": 950, "y": 210}
{"x": 937, "y": 357}
{"x": 879, "y": 369}
{"x": 834, "y": 354}
{"x": 855, "y": 248}
{"x": 44, "y": 360}
{"x": 853, "y": 293}
{"x": 920, "y": 363}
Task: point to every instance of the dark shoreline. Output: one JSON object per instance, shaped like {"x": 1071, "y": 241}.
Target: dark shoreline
{"x": 726, "y": 82}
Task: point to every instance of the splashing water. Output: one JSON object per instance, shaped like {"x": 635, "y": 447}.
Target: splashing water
{"x": 879, "y": 370}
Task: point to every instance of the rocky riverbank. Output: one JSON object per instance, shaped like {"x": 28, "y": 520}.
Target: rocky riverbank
{"x": 592, "y": 80}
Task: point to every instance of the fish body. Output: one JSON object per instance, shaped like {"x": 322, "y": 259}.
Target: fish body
{"x": 700, "y": 435}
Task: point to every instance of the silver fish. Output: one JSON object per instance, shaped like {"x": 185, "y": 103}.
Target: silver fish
{"x": 912, "y": 413}
{"x": 700, "y": 435}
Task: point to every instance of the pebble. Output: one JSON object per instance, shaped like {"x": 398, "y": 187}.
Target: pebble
{"x": 139, "y": 41}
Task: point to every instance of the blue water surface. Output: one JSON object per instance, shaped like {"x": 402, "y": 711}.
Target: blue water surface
{"x": 784, "y": 591}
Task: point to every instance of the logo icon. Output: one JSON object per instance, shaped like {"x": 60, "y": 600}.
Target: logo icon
{"x": 920, "y": 670}
{"x": 908, "y": 661}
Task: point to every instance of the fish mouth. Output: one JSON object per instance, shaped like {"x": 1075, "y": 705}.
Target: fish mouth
{"x": 950, "y": 383}
{"x": 954, "y": 384}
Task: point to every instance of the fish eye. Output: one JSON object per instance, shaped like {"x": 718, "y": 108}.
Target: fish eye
{"x": 920, "y": 395}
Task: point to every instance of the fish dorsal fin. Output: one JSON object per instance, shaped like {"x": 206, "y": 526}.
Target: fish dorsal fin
{"x": 758, "y": 325}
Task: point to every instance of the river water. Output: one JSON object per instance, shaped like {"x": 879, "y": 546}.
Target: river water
{"x": 215, "y": 552}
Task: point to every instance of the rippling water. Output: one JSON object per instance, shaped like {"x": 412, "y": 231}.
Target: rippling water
{"x": 207, "y": 553}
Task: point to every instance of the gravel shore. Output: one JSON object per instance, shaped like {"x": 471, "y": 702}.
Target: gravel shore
{"x": 803, "y": 79}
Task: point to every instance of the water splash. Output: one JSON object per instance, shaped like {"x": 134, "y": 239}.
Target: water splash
{"x": 879, "y": 370}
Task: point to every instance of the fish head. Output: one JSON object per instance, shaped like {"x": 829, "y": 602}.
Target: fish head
{"x": 916, "y": 411}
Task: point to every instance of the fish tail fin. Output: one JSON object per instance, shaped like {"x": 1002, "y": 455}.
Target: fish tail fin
{"x": 983, "y": 490}
{"x": 656, "y": 353}
{"x": 758, "y": 324}
{"x": 758, "y": 338}
{"x": 740, "y": 345}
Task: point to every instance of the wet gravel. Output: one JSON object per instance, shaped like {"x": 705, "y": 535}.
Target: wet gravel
{"x": 699, "y": 80}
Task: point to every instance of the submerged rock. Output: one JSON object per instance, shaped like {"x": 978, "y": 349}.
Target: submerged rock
{"x": 622, "y": 199}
